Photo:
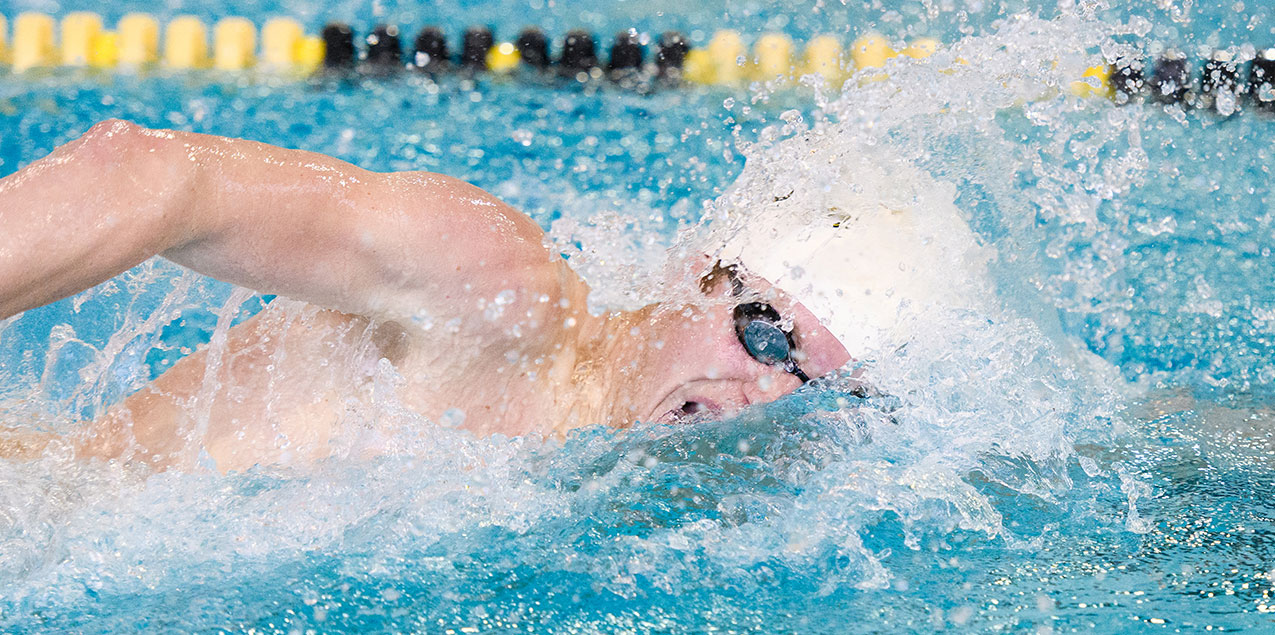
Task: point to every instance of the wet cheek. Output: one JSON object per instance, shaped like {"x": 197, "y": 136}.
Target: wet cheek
{"x": 706, "y": 361}
{"x": 766, "y": 383}
{"x": 695, "y": 338}
{"x": 835, "y": 357}
{"x": 823, "y": 353}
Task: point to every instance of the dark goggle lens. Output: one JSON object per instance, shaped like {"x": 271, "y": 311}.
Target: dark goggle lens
{"x": 766, "y": 342}
{"x": 757, "y": 325}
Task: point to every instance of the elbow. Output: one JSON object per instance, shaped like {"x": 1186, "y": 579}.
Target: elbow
{"x": 111, "y": 146}
{"x": 145, "y": 167}
{"x": 112, "y": 128}
{"x": 115, "y": 144}
{"x": 111, "y": 140}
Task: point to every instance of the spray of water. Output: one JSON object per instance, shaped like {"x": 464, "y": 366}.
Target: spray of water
{"x": 970, "y": 433}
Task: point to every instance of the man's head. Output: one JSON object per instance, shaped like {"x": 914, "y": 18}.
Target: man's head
{"x": 743, "y": 342}
{"x": 806, "y": 281}
{"x": 867, "y": 255}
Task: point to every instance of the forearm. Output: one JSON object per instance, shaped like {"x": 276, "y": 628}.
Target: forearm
{"x": 275, "y": 220}
{"x": 243, "y": 212}
{"x": 90, "y": 210}
{"x": 393, "y": 245}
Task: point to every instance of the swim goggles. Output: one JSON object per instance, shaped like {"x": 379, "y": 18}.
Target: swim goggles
{"x": 757, "y": 325}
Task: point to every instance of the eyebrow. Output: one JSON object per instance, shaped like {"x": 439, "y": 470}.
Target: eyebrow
{"x": 709, "y": 280}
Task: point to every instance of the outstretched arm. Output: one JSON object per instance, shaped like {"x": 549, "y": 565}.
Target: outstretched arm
{"x": 88, "y": 211}
{"x": 295, "y": 223}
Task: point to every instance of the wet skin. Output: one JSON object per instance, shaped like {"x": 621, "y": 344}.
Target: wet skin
{"x": 411, "y": 283}
{"x": 706, "y": 368}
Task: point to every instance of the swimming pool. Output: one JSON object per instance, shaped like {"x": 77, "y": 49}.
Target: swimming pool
{"x": 1093, "y": 459}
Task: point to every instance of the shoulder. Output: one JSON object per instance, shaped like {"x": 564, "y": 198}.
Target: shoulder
{"x": 449, "y": 252}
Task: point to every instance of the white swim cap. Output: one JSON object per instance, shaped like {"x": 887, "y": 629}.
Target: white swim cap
{"x": 873, "y": 249}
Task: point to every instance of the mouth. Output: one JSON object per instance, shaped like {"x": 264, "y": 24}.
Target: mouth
{"x": 680, "y": 406}
{"x": 694, "y": 410}
{"x": 690, "y": 411}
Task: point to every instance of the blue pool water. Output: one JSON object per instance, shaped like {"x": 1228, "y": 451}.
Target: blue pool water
{"x": 1096, "y": 457}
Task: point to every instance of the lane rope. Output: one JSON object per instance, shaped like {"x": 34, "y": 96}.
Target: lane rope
{"x": 1225, "y": 81}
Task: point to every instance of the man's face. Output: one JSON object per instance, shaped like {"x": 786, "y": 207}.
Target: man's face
{"x": 703, "y": 365}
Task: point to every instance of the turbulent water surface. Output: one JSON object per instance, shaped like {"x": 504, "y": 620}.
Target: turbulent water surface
{"x": 1088, "y": 450}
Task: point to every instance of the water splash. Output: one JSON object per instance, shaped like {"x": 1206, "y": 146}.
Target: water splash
{"x": 993, "y": 435}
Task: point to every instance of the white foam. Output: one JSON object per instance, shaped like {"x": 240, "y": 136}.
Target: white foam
{"x": 992, "y": 388}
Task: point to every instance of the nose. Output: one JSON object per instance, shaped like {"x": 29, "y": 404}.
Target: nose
{"x": 769, "y": 385}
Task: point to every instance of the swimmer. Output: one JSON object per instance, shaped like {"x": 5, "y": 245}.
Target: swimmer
{"x": 486, "y": 326}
